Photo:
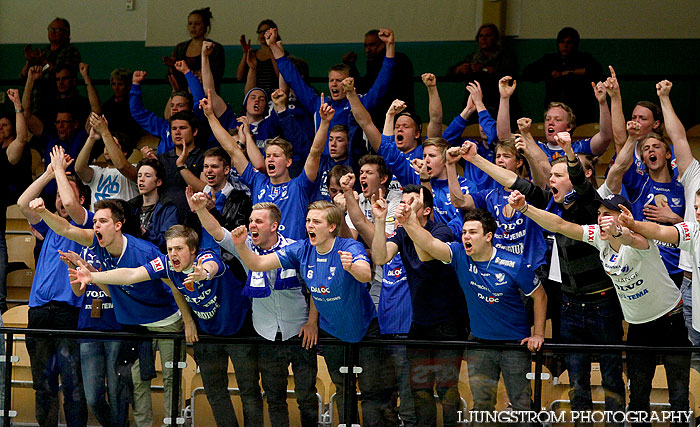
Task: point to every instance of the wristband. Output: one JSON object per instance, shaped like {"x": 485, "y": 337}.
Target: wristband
{"x": 572, "y": 162}
{"x": 619, "y": 231}
{"x": 19, "y": 110}
{"x": 524, "y": 208}
{"x": 179, "y": 168}
{"x": 425, "y": 180}
{"x": 208, "y": 274}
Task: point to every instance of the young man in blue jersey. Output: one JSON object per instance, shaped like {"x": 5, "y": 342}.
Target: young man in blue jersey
{"x": 491, "y": 279}
{"x": 439, "y": 309}
{"x": 151, "y": 305}
{"x": 335, "y": 271}
{"x": 280, "y": 313}
{"x": 214, "y": 296}
{"x": 291, "y": 195}
{"x": 559, "y": 118}
{"x": 52, "y": 304}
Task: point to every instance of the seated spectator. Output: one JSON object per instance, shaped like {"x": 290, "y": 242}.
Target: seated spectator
{"x": 156, "y": 126}
{"x": 15, "y": 175}
{"x": 155, "y": 215}
{"x": 116, "y": 108}
{"x": 198, "y": 26}
{"x": 487, "y": 65}
{"x": 559, "y": 117}
{"x": 118, "y": 179}
{"x": 567, "y": 75}
{"x": 264, "y": 69}
{"x": 401, "y": 82}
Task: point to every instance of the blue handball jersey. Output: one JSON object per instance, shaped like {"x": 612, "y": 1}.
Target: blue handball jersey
{"x": 107, "y": 321}
{"x": 642, "y": 191}
{"x": 140, "y": 303}
{"x": 292, "y": 198}
{"x": 344, "y": 305}
{"x": 218, "y": 305}
{"x": 496, "y": 311}
{"x": 517, "y": 234}
{"x": 51, "y": 282}
{"x": 582, "y": 146}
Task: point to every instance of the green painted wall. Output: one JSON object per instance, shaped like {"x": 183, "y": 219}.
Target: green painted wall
{"x": 648, "y": 60}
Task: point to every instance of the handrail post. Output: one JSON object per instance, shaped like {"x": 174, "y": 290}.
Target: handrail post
{"x": 7, "y": 401}
{"x": 175, "y": 403}
{"x": 537, "y": 395}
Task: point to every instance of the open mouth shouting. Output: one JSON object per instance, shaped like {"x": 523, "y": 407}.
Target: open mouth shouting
{"x": 312, "y": 235}
{"x": 271, "y": 167}
{"x": 364, "y": 186}
{"x": 176, "y": 263}
{"x": 211, "y": 179}
{"x": 254, "y": 234}
{"x": 399, "y": 137}
{"x": 551, "y": 131}
{"x": 468, "y": 247}
{"x": 99, "y": 237}
{"x": 335, "y": 93}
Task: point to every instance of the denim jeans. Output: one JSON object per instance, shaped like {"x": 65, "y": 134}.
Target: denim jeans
{"x": 274, "y": 360}
{"x": 143, "y": 409}
{"x": 213, "y": 365}
{"x": 376, "y": 383}
{"x": 667, "y": 331}
{"x": 402, "y": 371}
{"x": 485, "y": 368}
{"x": 436, "y": 367}
{"x": 51, "y": 357}
{"x": 98, "y": 359}
{"x": 595, "y": 321}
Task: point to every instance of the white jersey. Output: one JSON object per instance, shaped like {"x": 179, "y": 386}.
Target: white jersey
{"x": 109, "y": 183}
{"x": 691, "y": 183}
{"x": 643, "y": 286}
{"x": 689, "y": 240}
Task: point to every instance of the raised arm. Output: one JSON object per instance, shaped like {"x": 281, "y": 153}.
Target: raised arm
{"x": 35, "y": 126}
{"x": 82, "y": 162}
{"x": 601, "y": 140}
{"x": 427, "y": 246}
{"x": 16, "y": 147}
{"x": 82, "y": 236}
{"x": 208, "y": 79}
{"x": 253, "y": 261}
{"x": 32, "y": 192}
{"x": 363, "y": 226}
{"x": 648, "y": 229}
{"x": 92, "y": 93}
{"x": 624, "y": 158}
{"x": 503, "y": 176}
{"x": 227, "y": 141}
{"x": 674, "y": 127}
{"x": 198, "y": 203}
{"x": 506, "y": 87}
{"x": 60, "y": 162}
{"x": 362, "y": 116}
{"x": 458, "y": 198}
{"x": 255, "y": 157}
{"x": 99, "y": 123}
{"x": 535, "y": 157}
{"x": 118, "y": 276}
{"x": 186, "y": 174}
{"x": 617, "y": 116}
{"x": 382, "y": 251}
{"x": 545, "y": 219}
{"x": 434, "y": 105}
{"x": 326, "y": 113}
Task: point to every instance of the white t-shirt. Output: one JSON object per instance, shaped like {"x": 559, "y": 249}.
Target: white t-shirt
{"x": 109, "y": 183}
{"x": 691, "y": 182}
{"x": 643, "y": 286}
{"x": 689, "y": 240}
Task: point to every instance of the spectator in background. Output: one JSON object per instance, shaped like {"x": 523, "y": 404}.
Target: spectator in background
{"x": 198, "y": 26}
{"x": 116, "y": 108}
{"x": 265, "y": 67}
{"x": 15, "y": 175}
{"x": 487, "y": 65}
{"x": 401, "y": 82}
{"x": 568, "y": 75}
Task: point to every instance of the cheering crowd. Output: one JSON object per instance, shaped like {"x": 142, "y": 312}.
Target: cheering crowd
{"x": 299, "y": 215}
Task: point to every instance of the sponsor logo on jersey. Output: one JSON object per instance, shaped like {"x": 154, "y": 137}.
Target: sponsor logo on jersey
{"x": 504, "y": 262}
{"x": 157, "y": 264}
{"x": 324, "y": 290}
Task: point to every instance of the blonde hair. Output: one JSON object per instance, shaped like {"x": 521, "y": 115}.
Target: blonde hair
{"x": 440, "y": 143}
{"x": 333, "y": 213}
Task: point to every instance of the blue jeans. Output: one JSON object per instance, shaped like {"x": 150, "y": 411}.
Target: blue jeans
{"x": 3, "y": 258}
{"x": 274, "y": 363}
{"x": 686, "y": 292}
{"x": 593, "y": 321}
{"x": 98, "y": 359}
{"x": 51, "y": 357}
{"x": 402, "y": 371}
{"x": 213, "y": 364}
{"x": 485, "y": 368}
{"x": 666, "y": 331}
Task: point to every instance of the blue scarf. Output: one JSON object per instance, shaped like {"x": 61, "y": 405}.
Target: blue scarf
{"x": 257, "y": 284}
